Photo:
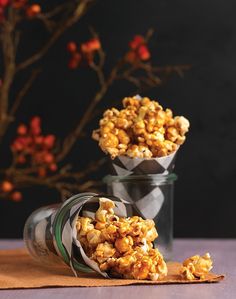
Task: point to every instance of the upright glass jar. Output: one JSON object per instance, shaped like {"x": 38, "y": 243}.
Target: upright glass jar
{"x": 152, "y": 197}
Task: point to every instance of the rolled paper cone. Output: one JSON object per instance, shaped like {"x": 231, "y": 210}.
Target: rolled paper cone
{"x": 124, "y": 165}
{"x": 147, "y": 199}
{"x": 57, "y": 235}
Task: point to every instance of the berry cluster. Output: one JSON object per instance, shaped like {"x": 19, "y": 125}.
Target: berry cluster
{"x": 138, "y": 50}
{"x": 7, "y": 188}
{"x": 30, "y": 10}
{"x": 32, "y": 148}
{"x": 82, "y": 54}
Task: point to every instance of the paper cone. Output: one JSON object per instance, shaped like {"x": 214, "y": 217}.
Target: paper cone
{"x": 56, "y": 235}
{"x": 124, "y": 165}
{"x": 145, "y": 184}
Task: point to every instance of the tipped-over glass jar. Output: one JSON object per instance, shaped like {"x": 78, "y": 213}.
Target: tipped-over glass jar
{"x": 50, "y": 233}
{"x": 151, "y": 196}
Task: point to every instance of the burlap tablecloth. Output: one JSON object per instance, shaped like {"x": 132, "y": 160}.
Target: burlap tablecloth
{"x": 19, "y": 270}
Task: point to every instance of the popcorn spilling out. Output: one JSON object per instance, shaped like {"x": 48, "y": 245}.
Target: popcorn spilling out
{"x": 93, "y": 233}
{"x": 143, "y": 129}
{"x": 196, "y": 267}
{"x": 122, "y": 247}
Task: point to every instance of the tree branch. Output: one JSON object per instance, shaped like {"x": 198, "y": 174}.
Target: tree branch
{"x": 9, "y": 53}
{"x": 77, "y": 14}
{"x": 23, "y": 92}
{"x": 104, "y": 85}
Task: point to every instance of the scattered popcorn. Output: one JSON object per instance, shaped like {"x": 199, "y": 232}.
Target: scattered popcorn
{"x": 196, "y": 267}
{"x": 141, "y": 130}
{"x": 121, "y": 246}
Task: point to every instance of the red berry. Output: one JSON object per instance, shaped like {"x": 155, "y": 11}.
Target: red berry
{"x": 16, "y": 196}
{"x": 53, "y": 167}
{"x": 71, "y": 47}
{"x": 131, "y": 56}
{"x": 4, "y": 3}
{"x": 48, "y": 158}
{"x": 84, "y": 48}
{"x": 49, "y": 141}
{"x": 17, "y": 146}
{"x": 7, "y": 186}
{"x": 136, "y": 42}
{"x": 93, "y": 44}
{"x": 42, "y": 172}
{"x": 33, "y": 10}
{"x": 36, "y": 131}
{"x": 21, "y": 143}
{"x": 21, "y": 159}
{"x": 38, "y": 139}
{"x": 35, "y": 125}
{"x": 35, "y": 121}
{"x": 25, "y": 140}
{"x": 74, "y": 61}
{"x": 143, "y": 52}
{"x": 22, "y": 129}
{"x": 72, "y": 64}
{"x": 77, "y": 56}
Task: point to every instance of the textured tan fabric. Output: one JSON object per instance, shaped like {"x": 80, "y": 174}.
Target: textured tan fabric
{"x": 18, "y": 270}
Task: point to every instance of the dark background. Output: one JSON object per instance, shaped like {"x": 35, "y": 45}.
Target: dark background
{"x": 201, "y": 33}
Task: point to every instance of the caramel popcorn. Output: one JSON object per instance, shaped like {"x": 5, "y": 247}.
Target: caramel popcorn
{"x": 196, "y": 267}
{"x": 121, "y": 246}
{"x": 143, "y": 129}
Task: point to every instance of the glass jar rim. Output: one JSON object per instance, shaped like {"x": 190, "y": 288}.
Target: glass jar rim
{"x": 160, "y": 178}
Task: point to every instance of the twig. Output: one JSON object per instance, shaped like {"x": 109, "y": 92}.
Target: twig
{"x": 98, "y": 68}
{"x": 65, "y": 183}
{"x": 9, "y": 54}
{"x": 55, "y": 11}
{"x": 141, "y": 74}
{"x": 10, "y": 39}
{"x": 73, "y": 136}
{"x": 23, "y": 92}
{"x": 79, "y": 175}
{"x": 149, "y": 34}
{"x": 78, "y": 13}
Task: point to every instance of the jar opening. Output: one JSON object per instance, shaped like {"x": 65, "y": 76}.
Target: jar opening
{"x": 160, "y": 178}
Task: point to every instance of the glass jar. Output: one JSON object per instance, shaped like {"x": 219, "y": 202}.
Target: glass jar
{"x": 151, "y": 196}
{"x": 37, "y": 237}
{"x": 49, "y": 233}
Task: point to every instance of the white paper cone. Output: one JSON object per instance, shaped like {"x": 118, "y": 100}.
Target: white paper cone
{"x": 124, "y": 165}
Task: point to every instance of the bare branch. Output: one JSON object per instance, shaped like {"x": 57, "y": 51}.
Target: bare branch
{"x": 149, "y": 34}
{"x": 61, "y": 28}
{"x": 23, "y": 92}
{"x": 73, "y": 136}
{"x": 9, "y": 53}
